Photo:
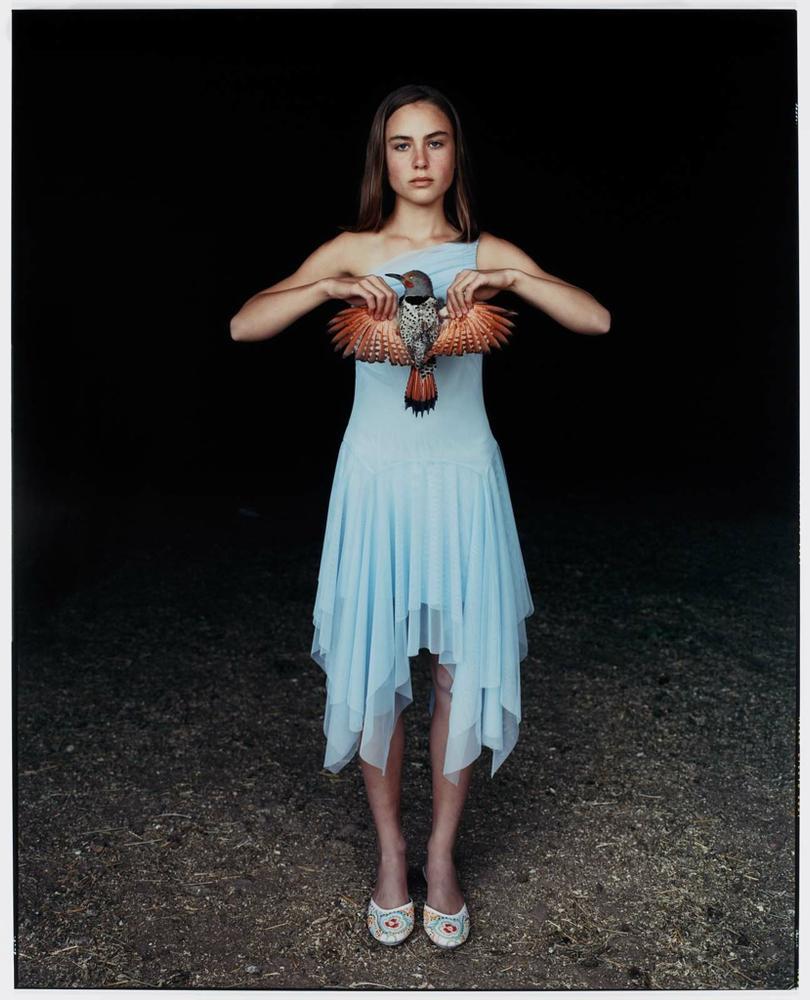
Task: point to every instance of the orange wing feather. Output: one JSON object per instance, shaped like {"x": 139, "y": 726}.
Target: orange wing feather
{"x": 483, "y": 328}
{"x": 368, "y": 339}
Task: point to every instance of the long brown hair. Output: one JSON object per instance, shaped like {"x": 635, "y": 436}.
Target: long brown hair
{"x": 376, "y": 194}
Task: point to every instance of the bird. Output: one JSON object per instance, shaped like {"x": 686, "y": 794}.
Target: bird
{"x": 421, "y": 330}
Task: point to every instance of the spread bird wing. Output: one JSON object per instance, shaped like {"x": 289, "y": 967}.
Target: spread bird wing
{"x": 358, "y": 333}
{"x": 483, "y": 328}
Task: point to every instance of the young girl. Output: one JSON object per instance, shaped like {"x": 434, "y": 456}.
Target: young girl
{"x": 420, "y": 550}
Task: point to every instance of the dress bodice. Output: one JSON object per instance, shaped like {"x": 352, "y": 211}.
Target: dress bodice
{"x": 381, "y": 430}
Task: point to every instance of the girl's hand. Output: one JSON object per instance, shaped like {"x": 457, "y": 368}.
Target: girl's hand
{"x": 471, "y": 286}
{"x": 368, "y": 290}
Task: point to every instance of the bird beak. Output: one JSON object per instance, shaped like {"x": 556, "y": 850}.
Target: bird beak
{"x": 397, "y": 276}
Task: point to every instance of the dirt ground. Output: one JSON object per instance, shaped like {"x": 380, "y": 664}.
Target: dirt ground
{"x": 175, "y": 827}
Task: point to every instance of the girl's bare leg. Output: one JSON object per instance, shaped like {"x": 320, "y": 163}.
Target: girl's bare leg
{"x": 391, "y": 888}
{"x": 444, "y": 893}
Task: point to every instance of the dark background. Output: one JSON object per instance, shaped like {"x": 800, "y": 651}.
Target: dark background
{"x": 169, "y": 164}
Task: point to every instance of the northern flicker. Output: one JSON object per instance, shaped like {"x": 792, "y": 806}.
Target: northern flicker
{"x": 421, "y": 330}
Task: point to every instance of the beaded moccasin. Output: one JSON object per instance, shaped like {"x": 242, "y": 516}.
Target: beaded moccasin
{"x": 447, "y": 930}
{"x": 390, "y": 926}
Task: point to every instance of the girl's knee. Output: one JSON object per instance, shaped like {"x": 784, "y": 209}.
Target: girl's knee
{"x": 442, "y": 678}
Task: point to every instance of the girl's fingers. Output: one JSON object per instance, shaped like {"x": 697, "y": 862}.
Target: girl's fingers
{"x": 468, "y": 293}
{"x": 460, "y": 292}
{"x": 382, "y": 301}
{"x": 452, "y": 300}
{"x": 390, "y": 302}
{"x": 377, "y": 308}
{"x": 462, "y": 297}
{"x": 462, "y": 280}
{"x": 387, "y": 300}
{"x": 372, "y": 300}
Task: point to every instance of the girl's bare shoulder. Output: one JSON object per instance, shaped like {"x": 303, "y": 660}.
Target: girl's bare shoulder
{"x": 365, "y": 251}
{"x": 495, "y": 253}
{"x": 492, "y": 251}
{"x": 351, "y": 254}
{"x": 341, "y": 251}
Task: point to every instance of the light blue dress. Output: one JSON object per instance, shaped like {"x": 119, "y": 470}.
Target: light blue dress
{"x": 420, "y": 551}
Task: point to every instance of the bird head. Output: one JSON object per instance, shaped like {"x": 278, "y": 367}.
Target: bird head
{"x": 415, "y": 282}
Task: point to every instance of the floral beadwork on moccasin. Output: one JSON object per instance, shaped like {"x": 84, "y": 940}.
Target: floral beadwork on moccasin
{"x": 447, "y": 930}
{"x": 390, "y": 926}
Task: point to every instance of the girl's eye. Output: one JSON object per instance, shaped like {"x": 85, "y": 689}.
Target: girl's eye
{"x": 436, "y": 142}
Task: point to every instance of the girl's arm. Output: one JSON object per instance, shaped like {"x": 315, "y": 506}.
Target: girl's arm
{"x": 569, "y": 305}
{"x": 324, "y": 275}
{"x": 273, "y": 309}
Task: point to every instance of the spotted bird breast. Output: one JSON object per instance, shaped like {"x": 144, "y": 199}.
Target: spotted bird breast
{"x": 419, "y": 324}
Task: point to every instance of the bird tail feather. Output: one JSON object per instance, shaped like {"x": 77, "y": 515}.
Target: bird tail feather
{"x": 420, "y": 392}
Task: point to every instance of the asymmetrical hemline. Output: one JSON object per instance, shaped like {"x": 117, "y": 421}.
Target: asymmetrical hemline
{"x": 421, "y": 551}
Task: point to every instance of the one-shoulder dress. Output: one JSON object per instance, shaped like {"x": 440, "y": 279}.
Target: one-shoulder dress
{"x": 420, "y": 550}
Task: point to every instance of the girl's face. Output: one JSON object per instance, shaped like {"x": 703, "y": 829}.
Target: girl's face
{"x": 419, "y": 143}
